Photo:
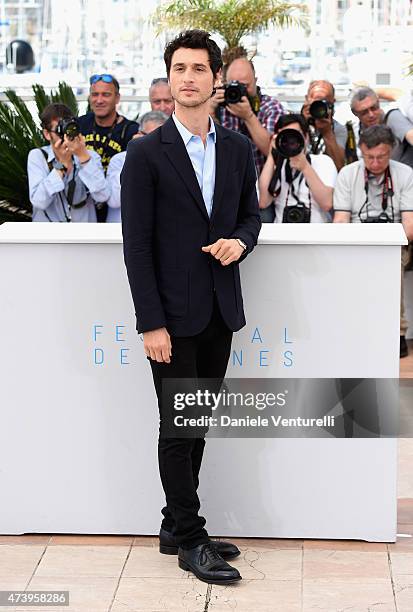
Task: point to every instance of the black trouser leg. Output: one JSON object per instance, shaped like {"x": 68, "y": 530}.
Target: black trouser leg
{"x": 202, "y": 356}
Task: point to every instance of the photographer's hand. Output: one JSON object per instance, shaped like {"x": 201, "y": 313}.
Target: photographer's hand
{"x": 324, "y": 126}
{"x": 216, "y": 99}
{"x": 62, "y": 154}
{"x": 241, "y": 109}
{"x": 77, "y": 147}
{"x": 299, "y": 162}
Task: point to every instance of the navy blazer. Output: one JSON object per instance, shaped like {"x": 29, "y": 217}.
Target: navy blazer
{"x": 165, "y": 223}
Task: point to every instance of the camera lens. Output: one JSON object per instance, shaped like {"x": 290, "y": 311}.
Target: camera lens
{"x": 71, "y": 129}
{"x": 289, "y": 143}
{"x": 234, "y": 91}
{"x": 319, "y": 109}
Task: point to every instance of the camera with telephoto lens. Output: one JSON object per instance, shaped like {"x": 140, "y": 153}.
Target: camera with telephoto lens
{"x": 68, "y": 127}
{"x": 289, "y": 143}
{"x": 234, "y": 91}
{"x": 382, "y": 218}
{"x": 320, "y": 109}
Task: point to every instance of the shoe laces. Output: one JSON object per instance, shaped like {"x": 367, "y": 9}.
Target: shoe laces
{"x": 210, "y": 552}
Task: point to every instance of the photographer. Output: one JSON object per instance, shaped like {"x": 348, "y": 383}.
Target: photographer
{"x": 64, "y": 177}
{"x": 253, "y": 114}
{"x": 326, "y": 134}
{"x": 365, "y": 105}
{"x": 149, "y": 122}
{"x": 377, "y": 189}
{"x": 160, "y": 96}
{"x": 300, "y": 185}
{"x": 105, "y": 131}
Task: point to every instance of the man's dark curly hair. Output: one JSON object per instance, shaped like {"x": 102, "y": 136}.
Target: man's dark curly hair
{"x": 194, "y": 39}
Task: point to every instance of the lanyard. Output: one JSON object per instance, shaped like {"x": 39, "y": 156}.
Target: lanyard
{"x": 108, "y": 135}
{"x": 387, "y": 192}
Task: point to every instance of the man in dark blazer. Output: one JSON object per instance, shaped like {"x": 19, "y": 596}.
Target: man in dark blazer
{"x": 189, "y": 216}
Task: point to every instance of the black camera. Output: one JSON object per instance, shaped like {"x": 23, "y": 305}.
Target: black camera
{"x": 234, "y": 91}
{"x": 382, "y": 218}
{"x": 320, "y": 109}
{"x": 299, "y": 213}
{"x": 289, "y": 143}
{"x": 68, "y": 127}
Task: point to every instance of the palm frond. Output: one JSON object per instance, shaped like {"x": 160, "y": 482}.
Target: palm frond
{"x": 19, "y": 134}
{"x": 231, "y": 19}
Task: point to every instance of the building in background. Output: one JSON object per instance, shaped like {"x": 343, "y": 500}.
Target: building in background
{"x": 347, "y": 41}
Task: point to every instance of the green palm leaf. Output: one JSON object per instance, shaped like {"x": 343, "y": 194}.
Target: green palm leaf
{"x": 19, "y": 134}
{"x": 231, "y": 19}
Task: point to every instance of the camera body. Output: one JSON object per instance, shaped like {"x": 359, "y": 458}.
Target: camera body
{"x": 320, "y": 109}
{"x": 233, "y": 92}
{"x": 289, "y": 143}
{"x": 298, "y": 213}
{"x": 382, "y": 218}
{"x": 68, "y": 127}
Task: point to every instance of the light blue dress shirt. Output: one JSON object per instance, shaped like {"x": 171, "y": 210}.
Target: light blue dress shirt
{"x": 202, "y": 158}
{"x": 48, "y": 190}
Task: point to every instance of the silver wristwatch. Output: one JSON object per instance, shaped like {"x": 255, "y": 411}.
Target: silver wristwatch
{"x": 241, "y": 243}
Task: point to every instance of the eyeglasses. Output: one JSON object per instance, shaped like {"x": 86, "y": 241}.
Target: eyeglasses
{"x": 379, "y": 158}
{"x": 106, "y": 78}
{"x": 159, "y": 80}
{"x": 366, "y": 111}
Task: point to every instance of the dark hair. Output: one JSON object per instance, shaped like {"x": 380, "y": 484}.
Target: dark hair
{"x": 377, "y": 135}
{"x": 290, "y": 118}
{"x": 54, "y": 112}
{"x": 194, "y": 39}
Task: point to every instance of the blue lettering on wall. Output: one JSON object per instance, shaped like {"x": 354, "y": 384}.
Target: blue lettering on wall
{"x": 256, "y": 337}
{"x": 99, "y": 356}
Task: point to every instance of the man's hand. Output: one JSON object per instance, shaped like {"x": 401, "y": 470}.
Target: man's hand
{"x": 157, "y": 345}
{"x": 299, "y": 162}
{"x": 241, "y": 109}
{"x": 77, "y": 147}
{"x": 217, "y": 98}
{"x": 62, "y": 153}
{"x": 324, "y": 126}
{"x": 227, "y": 250}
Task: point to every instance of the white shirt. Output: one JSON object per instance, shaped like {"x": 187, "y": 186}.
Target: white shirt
{"x": 350, "y": 193}
{"x": 113, "y": 179}
{"x": 326, "y": 170}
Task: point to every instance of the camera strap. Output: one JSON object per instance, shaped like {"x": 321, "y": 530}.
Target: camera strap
{"x": 387, "y": 192}
{"x": 50, "y": 166}
{"x": 108, "y": 136}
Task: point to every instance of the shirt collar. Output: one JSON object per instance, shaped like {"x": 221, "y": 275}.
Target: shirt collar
{"x": 187, "y": 135}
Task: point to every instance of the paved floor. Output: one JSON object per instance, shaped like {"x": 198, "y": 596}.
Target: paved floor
{"x": 127, "y": 574}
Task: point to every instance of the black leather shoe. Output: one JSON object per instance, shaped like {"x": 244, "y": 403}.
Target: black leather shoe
{"x": 404, "y": 351}
{"x": 207, "y": 564}
{"x": 168, "y": 546}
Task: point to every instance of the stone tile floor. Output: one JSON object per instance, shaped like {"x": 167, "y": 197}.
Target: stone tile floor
{"x": 127, "y": 573}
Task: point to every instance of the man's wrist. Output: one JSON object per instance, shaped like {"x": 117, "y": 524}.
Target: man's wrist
{"x": 84, "y": 158}
{"x": 241, "y": 243}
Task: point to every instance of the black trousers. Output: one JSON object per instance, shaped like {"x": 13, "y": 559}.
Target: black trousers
{"x": 202, "y": 356}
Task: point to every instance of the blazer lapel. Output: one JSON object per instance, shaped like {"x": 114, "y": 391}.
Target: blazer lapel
{"x": 222, "y": 164}
{"x": 177, "y": 154}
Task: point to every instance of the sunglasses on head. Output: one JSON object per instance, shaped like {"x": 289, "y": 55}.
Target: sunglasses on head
{"x": 106, "y": 78}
